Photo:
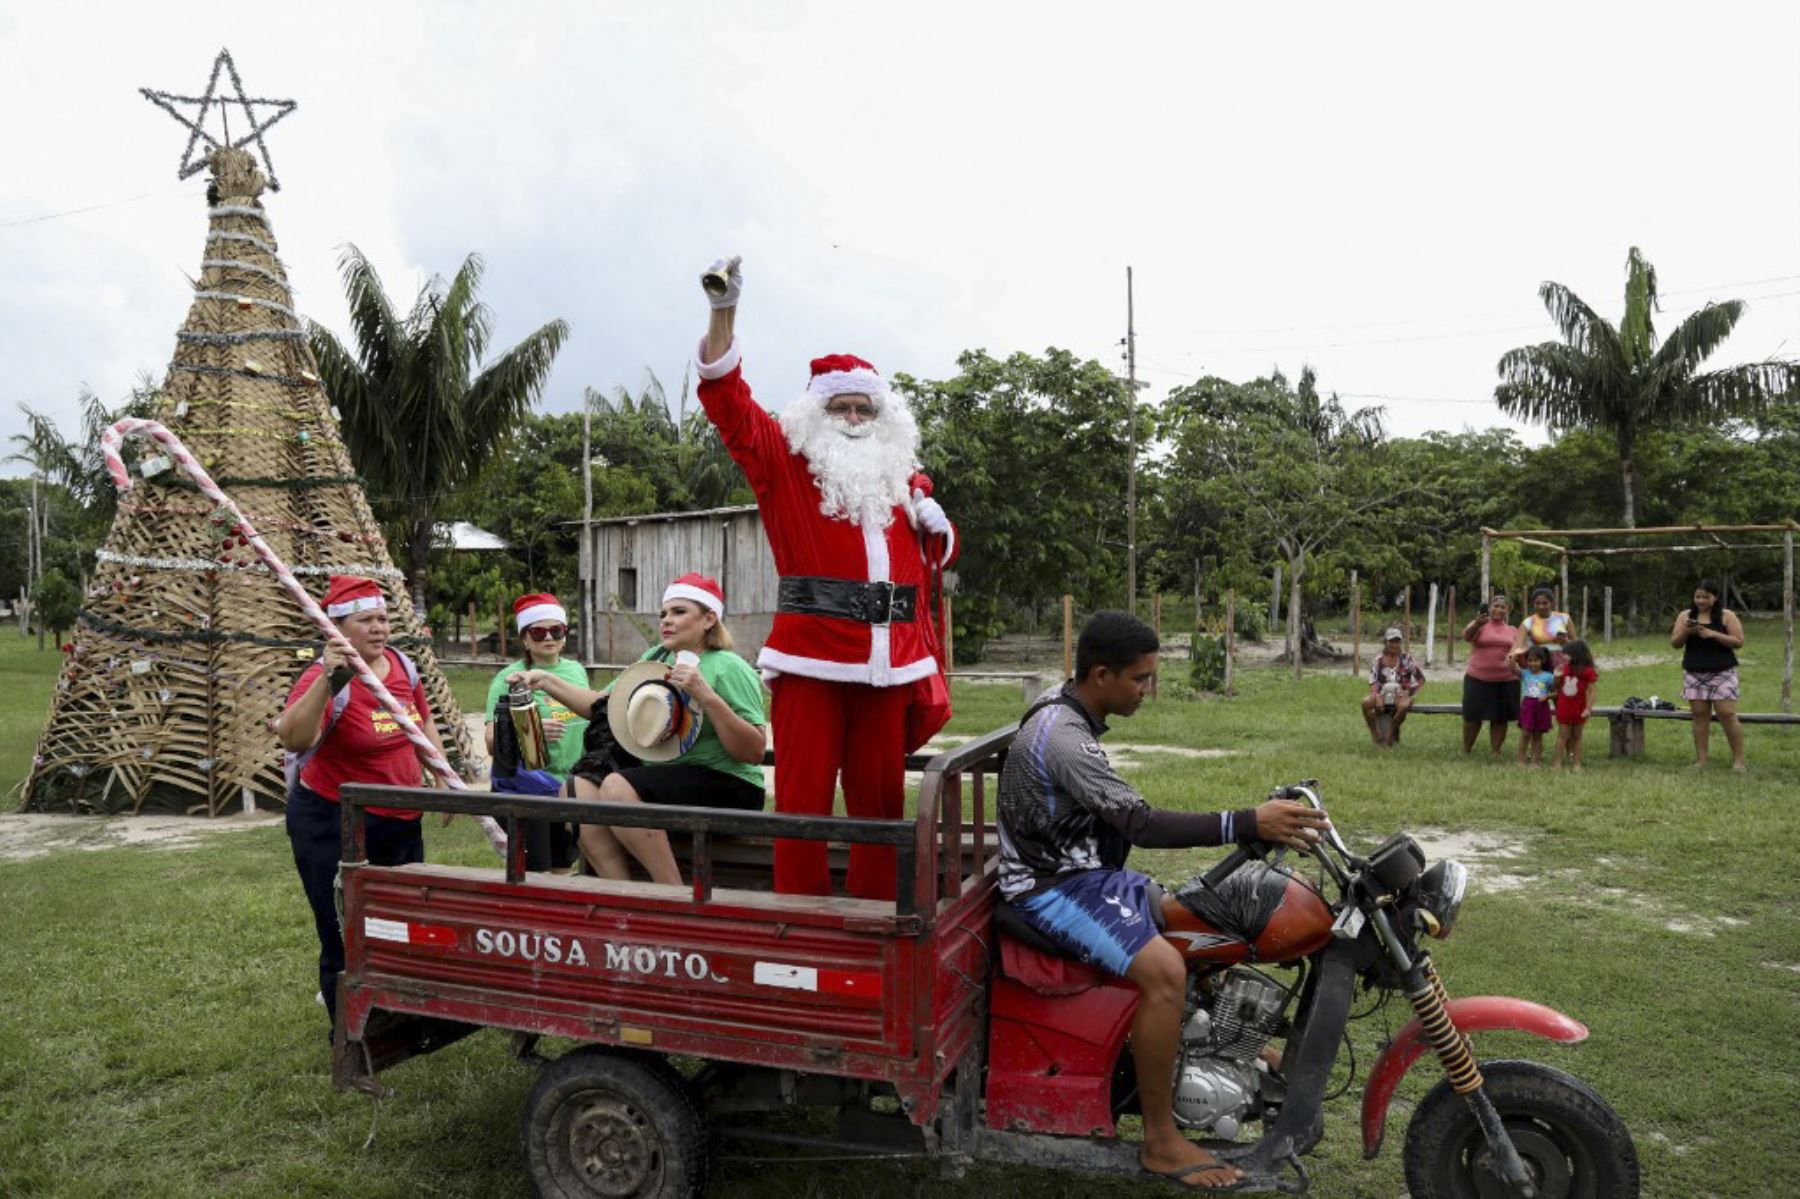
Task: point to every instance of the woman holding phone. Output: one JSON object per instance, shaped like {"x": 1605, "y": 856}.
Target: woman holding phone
{"x": 1709, "y": 636}
{"x": 1491, "y": 680}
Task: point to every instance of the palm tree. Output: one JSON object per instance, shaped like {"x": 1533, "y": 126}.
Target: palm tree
{"x": 78, "y": 466}
{"x": 679, "y": 450}
{"x": 1620, "y": 381}
{"x": 422, "y": 418}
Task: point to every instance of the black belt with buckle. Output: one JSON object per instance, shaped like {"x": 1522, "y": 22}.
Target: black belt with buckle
{"x": 870, "y": 603}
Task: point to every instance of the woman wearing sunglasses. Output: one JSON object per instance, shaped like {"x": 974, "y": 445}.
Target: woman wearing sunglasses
{"x": 543, "y": 626}
{"x": 721, "y": 768}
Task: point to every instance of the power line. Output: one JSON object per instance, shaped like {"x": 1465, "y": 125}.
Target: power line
{"x": 53, "y": 216}
{"x": 1437, "y": 320}
{"x": 1384, "y": 341}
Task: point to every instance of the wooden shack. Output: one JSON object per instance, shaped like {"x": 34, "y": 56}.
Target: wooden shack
{"x": 626, "y": 561}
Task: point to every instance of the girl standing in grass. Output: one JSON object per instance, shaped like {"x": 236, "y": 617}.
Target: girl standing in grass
{"x": 1575, "y": 680}
{"x": 1535, "y": 681}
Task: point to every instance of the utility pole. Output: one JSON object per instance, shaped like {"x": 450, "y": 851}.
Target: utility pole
{"x": 1131, "y": 385}
{"x": 36, "y": 551}
{"x": 588, "y": 626}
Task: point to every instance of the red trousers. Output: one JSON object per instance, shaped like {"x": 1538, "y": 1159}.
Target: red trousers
{"x": 822, "y": 728}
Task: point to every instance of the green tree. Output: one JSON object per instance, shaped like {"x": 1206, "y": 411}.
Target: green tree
{"x": 1028, "y": 457}
{"x": 1619, "y": 381}
{"x": 1283, "y": 468}
{"x": 677, "y": 450}
{"x": 57, "y": 601}
{"x": 76, "y": 465}
{"x": 422, "y": 416}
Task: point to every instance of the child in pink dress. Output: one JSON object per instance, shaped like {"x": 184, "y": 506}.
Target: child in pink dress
{"x": 1535, "y": 683}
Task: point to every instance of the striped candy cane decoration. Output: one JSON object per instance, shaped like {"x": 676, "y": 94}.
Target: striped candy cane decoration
{"x": 115, "y": 464}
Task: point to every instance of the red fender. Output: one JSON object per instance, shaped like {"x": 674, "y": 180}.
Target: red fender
{"x": 1482, "y": 1013}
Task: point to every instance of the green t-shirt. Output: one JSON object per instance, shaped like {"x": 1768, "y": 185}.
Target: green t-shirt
{"x": 564, "y": 753}
{"x": 740, "y": 687}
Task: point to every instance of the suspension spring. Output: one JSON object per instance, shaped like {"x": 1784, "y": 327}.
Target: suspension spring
{"x": 1450, "y": 1046}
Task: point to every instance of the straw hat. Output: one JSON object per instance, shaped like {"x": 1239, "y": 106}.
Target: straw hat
{"x": 651, "y": 718}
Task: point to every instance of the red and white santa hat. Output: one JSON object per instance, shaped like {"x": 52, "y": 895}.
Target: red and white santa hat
{"x": 702, "y": 590}
{"x": 529, "y": 609}
{"x": 845, "y": 374}
{"x": 347, "y": 595}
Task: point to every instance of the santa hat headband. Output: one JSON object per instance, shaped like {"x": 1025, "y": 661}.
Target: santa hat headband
{"x": 702, "y": 590}
{"x": 346, "y": 595}
{"x": 845, "y": 374}
{"x": 529, "y": 609}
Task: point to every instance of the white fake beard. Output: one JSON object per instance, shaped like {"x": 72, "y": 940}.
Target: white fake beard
{"x": 861, "y": 470}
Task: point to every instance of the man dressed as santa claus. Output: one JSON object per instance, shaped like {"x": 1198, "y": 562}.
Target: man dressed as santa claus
{"x": 852, "y": 660}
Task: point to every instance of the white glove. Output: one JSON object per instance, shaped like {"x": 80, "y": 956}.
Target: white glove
{"x": 730, "y": 271}
{"x": 930, "y": 514}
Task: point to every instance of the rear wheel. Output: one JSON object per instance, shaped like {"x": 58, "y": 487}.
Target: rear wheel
{"x": 1573, "y": 1145}
{"x": 602, "y": 1125}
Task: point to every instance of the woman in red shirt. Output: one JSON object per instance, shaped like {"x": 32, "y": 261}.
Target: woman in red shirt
{"x": 362, "y": 744}
{"x": 1491, "y": 680}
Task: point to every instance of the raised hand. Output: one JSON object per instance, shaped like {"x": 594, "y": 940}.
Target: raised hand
{"x": 723, "y": 282}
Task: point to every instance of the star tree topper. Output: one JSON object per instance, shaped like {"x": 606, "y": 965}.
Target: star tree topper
{"x": 197, "y": 125}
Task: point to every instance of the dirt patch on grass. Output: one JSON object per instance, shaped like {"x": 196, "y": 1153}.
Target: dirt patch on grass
{"x": 1478, "y": 850}
{"x": 29, "y": 835}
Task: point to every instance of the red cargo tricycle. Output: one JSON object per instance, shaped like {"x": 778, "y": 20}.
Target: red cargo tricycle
{"x": 930, "y": 1025}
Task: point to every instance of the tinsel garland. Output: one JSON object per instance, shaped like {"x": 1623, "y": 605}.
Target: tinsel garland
{"x": 251, "y": 268}
{"x": 211, "y": 637}
{"x": 301, "y": 484}
{"x": 239, "y": 373}
{"x": 204, "y": 566}
{"x": 295, "y": 527}
{"x": 266, "y": 434}
{"x": 232, "y": 339}
{"x": 235, "y": 298}
{"x": 254, "y": 240}
{"x": 238, "y": 210}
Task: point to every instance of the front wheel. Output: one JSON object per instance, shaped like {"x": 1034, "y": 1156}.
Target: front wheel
{"x": 601, "y": 1124}
{"x": 1574, "y": 1146}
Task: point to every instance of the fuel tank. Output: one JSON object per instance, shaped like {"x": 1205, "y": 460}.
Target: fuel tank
{"x": 1259, "y": 914}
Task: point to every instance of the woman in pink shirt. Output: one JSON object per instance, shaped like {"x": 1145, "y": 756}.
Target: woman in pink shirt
{"x": 1491, "y": 682}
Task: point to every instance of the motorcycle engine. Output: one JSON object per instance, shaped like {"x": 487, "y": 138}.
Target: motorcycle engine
{"x": 1221, "y": 1078}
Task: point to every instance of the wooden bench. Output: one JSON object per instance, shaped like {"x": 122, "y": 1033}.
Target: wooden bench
{"x": 1627, "y": 724}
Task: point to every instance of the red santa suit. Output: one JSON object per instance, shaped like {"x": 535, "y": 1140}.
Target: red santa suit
{"x": 842, "y": 682}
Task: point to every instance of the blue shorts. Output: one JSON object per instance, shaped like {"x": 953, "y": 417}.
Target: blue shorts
{"x": 1100, "y": 916}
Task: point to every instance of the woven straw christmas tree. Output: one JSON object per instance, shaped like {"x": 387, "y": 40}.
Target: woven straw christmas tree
{"x": 187, "y": 646}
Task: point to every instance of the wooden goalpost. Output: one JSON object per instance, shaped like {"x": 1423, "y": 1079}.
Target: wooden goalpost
{"x": 1535, "y": 537}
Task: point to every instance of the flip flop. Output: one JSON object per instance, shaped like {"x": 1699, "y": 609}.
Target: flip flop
{"x": 1178, "y": 1177}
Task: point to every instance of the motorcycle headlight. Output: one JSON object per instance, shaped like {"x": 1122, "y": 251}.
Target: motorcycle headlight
{"x": 1440, "y": 896}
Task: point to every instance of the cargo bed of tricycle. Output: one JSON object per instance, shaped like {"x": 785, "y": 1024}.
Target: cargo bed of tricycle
{"x": 722, "y": 969}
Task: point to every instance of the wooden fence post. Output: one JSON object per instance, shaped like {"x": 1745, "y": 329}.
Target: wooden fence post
{"x": 949, "y": 635}
{"x": 474, "y": 635}
{"x": 500, "y": 625}
{"x": 1584, "y": 611}
{"x": 1355, "y": 626}
{"x": 1565, "y": 605}
{"x": 1406, "y": 621}
{"x": 1606, "y": 615}
{"x": 1787, "y": 613}
{"x": 1487, "y": 563}
{"x": 1275, "y": 602}
{"x": 1155, "y": 627}
{"x": 1068, "y": 636}
{"x": 1450, "y": 628}
{"x": 1430, "y": 623}
{"x": 1230, "y": 640}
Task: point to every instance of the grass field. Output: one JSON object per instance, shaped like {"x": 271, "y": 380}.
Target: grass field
{"x": 158, "y": 1034}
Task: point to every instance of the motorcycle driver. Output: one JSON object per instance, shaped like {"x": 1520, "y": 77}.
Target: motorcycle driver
{"x": 1067, "y": 821}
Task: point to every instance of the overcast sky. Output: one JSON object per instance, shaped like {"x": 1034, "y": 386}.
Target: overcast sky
{"x": 1376, "y": 190}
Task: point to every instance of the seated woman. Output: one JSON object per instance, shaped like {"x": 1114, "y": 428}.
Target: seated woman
{"x": 543, "y": 625}
{"x": 723, "y": 767}
{"x": 1394, "y": 679}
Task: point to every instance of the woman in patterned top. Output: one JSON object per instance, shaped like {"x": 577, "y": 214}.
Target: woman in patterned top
{"x": 1393, "y": 681}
